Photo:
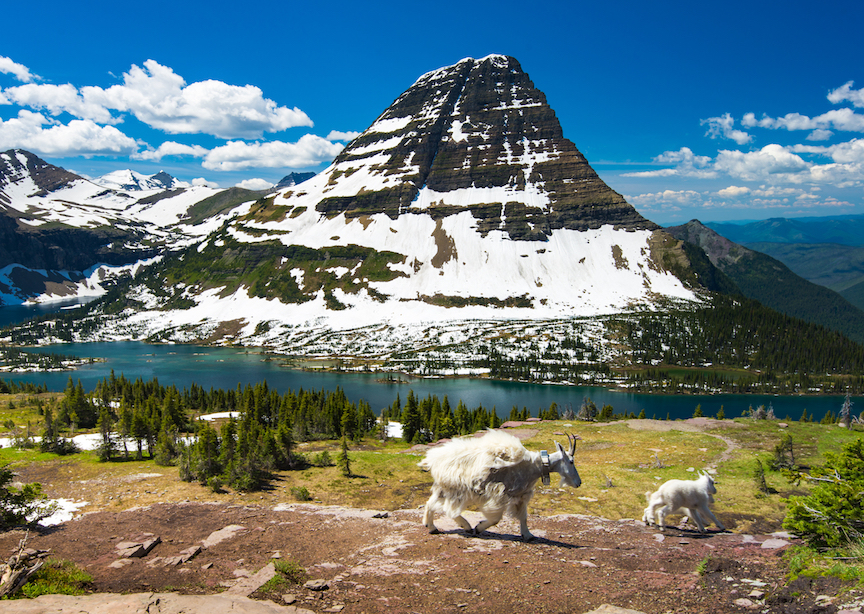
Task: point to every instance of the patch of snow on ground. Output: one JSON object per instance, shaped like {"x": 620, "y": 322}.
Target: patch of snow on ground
{"x": 65, "y": 512}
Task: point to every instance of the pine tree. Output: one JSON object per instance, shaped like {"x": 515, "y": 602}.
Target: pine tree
{"x": 106, "y": 430}
{"x": 343, "y": 462}
{"x": 721, "y": 415}
{"x": 697, "y": 413}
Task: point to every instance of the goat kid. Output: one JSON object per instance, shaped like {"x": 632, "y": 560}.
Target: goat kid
{"x": 691, "y": 496}
{"x": 494, "y": 474}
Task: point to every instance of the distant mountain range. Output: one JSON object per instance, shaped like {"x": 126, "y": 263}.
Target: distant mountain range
{"x": 828, "y": 251}
{"x": 843, "y": 229}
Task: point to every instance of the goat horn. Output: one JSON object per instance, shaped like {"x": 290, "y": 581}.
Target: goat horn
{"x": 572, "y": 441}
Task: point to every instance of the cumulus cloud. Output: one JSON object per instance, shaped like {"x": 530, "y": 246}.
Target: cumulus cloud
{"x": 255, "y": 184}
{"x": 336, "y": 135}
{"x": 837, "y": 119}
{"x": 19, "y": 71}
{"x": 759, "y": 165}
{"x": 820, "y": 135}
{"x": 310, "y": 150}
{"x": 170, "y": 148}
{"x": 845, "y": 92}
{"x": 733, "y": 191}
{"x": 724, "y": 127}
{"x": 686, "y": 164}
{"x": 160, "y": 98}
{"x": 77, "y": 138}
{"x": 57, "y": 99}
{"x": 850, "y": 152}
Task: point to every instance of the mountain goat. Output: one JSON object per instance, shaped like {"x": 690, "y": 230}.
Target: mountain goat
{"x": 493, "y": 474}
{"x": 692, "y": 496}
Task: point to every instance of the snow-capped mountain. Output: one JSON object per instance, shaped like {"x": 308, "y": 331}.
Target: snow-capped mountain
{"x": 130, "y": 181}
{"x": 462, "y": 203}
{"x": 57, "y": 228}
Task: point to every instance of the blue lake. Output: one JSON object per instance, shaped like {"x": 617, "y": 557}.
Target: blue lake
{"x": 226, "y": 368}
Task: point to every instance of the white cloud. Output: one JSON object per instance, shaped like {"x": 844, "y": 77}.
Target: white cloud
{"x": 850, "y": 152}
{"x": 19, "y": 71}
{"x": 668, "y": 199}
{"x": 760, "y": 165}
{"x": 687, "y": 164}
{"x": 845, "y": 92}
{"x": 838, "y": 119}
{"x": 723, "y": 127}
{"x": 59, "y": 98}
{"x": 160, "y": 98}
{"x": 170, "y": 148}
{"x": 310, "y": 150}
{"x": 255, "y": 184}
{"x": 820, "y": 135}
{"x": 336, "y": 135}
{"x": 733, "y": 191}
{"x": 77, "y": 138}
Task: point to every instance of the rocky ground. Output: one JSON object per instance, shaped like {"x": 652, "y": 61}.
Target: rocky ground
{"x": 385, "y": 561}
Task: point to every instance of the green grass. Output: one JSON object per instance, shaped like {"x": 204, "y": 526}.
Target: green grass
{"x": 56, "y": 577}
{"x": 288, "y": 574}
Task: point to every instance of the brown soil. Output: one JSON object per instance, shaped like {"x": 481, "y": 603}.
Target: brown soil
{"x": 393, "y": 564}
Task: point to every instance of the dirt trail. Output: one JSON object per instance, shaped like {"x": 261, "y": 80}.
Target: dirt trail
{"x": 391, "y": 564}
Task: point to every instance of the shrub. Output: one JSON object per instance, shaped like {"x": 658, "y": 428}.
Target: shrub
{"x": 832, "y": 514}
{"x": 322, "y": 459}
{"x": 301, "y": 493}
{"x": 57, "y": 577}
{"x": 784, "y": 455}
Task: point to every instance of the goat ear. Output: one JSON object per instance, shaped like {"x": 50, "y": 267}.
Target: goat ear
{"x": 560, "y": 449}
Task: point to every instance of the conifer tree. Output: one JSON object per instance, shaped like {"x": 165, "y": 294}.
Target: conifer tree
{"x": 343, "y": 462}
{"x": 106, "y": 429}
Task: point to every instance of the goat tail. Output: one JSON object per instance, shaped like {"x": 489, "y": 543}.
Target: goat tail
{"x": 648, "y": 494}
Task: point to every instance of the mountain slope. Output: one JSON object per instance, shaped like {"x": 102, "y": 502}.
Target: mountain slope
{"x": 831, "y": 265}
{"x": 771, "y": 282}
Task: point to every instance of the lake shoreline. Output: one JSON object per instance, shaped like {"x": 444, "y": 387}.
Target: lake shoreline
{"x": 303, "y": 364}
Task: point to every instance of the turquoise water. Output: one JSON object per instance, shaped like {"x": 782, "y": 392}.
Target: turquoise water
{"x": 226, "y": 368}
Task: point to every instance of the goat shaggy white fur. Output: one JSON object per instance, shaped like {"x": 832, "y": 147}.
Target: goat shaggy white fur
{"x": 494, "y": 474}
{"x": 691, "y": 496}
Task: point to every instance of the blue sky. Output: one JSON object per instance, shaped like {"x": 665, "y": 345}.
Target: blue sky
{"x": 715, "y": 111}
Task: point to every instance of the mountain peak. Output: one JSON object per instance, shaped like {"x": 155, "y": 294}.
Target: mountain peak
{"x": 475, "y": 136}
{"x": 132, "y": 181}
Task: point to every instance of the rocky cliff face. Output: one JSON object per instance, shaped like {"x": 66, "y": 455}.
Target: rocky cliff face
{"x": 475, "y": 136}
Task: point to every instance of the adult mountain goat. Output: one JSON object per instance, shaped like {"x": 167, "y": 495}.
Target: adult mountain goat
{"x": 493, "y": 474}
{"x": 691, "y": 496}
